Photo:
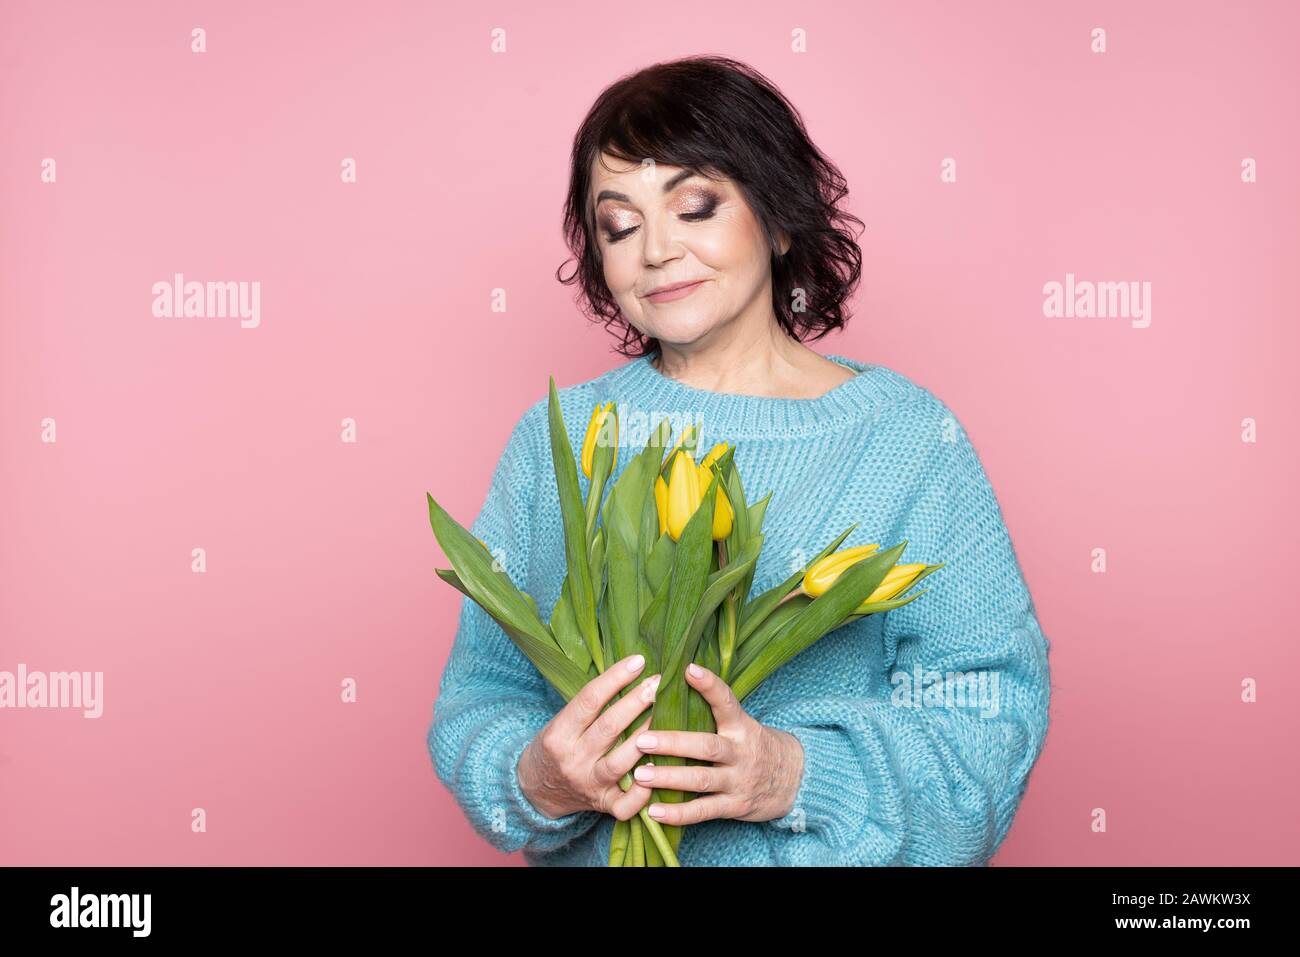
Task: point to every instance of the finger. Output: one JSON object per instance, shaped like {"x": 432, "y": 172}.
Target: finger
{"x": 687, "y": 744}
{"x": 693, "y": 811}
{"x": 622, "y": 759}
{"x": 627, "y": 804}
{"x": 595, "y": 694}
{"x": 727, "y": 713}
{"x": 614, "y": 720}
{"x": 696, "y": 778}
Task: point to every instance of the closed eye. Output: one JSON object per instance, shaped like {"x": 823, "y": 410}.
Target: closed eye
{"x": 695, "y": 217}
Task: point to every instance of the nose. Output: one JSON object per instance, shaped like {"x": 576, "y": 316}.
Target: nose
{"x": 660, "y": 244}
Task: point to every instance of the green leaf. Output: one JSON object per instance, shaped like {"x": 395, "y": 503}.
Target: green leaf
{"x": 597, "y": 559}
{"x": 699, "y": 712}
{"x": 478, "y": 572}
{"x": 876, "y": 607}
{"x": 606, "y": 635}
{"x": 645, "y": 545}
{"x": 740, "y": 530}
{"x": 624, "y": 509}
{"x": 659, "y": 564}
{"x": 653, "y": 622}
{"x": 625, "y": 521}
{"x": 755, "y": 612}
{"x": 686, "y": 587}
{"x": 720, "y": 583}
{"x": 581, "y": 590}
{"x": 822, "y": 615}
{"x": 623, "y": 605}
{"x": 497, "y": 595}
{"x": 757, "y": 511}
{"x": 772, "y": 625}
{"x": 565, "y": 628}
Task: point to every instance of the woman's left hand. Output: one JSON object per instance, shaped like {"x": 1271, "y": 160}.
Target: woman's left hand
{"x": 755, "y": 773}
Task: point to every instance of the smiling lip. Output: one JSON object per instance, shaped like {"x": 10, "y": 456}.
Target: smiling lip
{"x": 677, "y": 290}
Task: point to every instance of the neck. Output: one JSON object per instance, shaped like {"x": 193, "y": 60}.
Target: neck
{"x": 644, "y": 395}
{"x": 754, "y": 362}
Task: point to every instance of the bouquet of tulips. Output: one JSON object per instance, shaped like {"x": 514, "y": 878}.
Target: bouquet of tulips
{"x": 662, "y": 566}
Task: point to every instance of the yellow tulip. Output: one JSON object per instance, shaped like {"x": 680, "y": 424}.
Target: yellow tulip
{"x": 723, "y": 515}
{"x": 897, "y": 579}
{"x": 821, "y": 576}
{"x": 599, "y": 415}
{"x": 688, "y": 483}
{"x": 661, "y": 502}
{"x": 683, "y": 493}
{"x": 717, "y": 452}
{"x": 677, "y": 446}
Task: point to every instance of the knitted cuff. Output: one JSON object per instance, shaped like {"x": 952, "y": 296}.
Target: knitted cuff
{"x": 833, "y": 797}
{"x": 523, "y": 808}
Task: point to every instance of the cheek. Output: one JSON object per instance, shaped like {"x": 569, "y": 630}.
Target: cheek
{"x": 620, "y": 266}
{"x": 731, "y": 244}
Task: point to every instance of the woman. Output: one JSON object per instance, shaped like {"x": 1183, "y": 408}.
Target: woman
{"x": 707, "y": 234}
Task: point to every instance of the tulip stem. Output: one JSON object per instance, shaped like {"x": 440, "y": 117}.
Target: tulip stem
{"x": 728, "y": 625}
{"x": 652, "y": 827}
{"x": 636, "y": 846}
{"x": 594, "y": 495}
{"x": 618, "y": 843}
{"x": 727, "y": 636}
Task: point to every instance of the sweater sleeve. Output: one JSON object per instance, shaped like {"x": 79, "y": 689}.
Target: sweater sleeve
{"x": 492, "y": 700}
{"x": 932, "y": 770}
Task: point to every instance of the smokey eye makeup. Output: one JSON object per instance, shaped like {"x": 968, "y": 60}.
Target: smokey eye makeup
{"x": 701, "y": 205}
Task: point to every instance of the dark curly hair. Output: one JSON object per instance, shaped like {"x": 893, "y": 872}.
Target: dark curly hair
{"x": 719, "y": 116}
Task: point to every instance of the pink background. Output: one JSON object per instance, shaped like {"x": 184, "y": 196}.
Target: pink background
{"x": 222, "y": 689}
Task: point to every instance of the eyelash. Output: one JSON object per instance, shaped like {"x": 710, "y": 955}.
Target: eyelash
{"x": 694, "y": 217}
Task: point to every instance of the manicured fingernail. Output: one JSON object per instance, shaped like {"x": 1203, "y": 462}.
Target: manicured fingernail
{"x": 648, "y": 688}
{"x": 635, "y": 662}
{"x": 647, "y": 741}
{"x": 695, "y": 670}
{"x": 645, "y": 773}
{"x": 656, "y": 810}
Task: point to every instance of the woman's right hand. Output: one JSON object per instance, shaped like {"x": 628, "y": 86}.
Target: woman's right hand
{"x": 565, "y": 768}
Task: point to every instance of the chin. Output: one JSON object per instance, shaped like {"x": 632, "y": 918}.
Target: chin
{"x": 681, "y": 332}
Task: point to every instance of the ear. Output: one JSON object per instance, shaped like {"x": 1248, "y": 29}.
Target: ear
{"x": 782, "y": 242}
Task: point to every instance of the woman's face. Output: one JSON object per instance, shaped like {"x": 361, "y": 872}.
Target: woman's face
{"x": 659, "y": 226}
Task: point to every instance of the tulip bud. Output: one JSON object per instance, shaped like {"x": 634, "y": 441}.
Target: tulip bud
{"x": 602, "y": 430}
{"x": 821, "y": 575}
{"x": 895, "y": 581}
{"x": 677, "y": 447}
{"x": 722, "y": 513}
{"x": 661, "y": 503}
{"x": 683, "y": 493}
{"x": 717, "y": 452}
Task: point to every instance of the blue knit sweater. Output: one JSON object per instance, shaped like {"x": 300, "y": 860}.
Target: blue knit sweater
{"x": 919, "y": 726}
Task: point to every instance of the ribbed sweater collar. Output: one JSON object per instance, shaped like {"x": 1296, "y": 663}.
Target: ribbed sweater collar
{"x": 639, "y": 384}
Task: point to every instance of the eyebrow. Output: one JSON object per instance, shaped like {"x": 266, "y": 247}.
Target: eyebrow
{"x": 623, "y": 197}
